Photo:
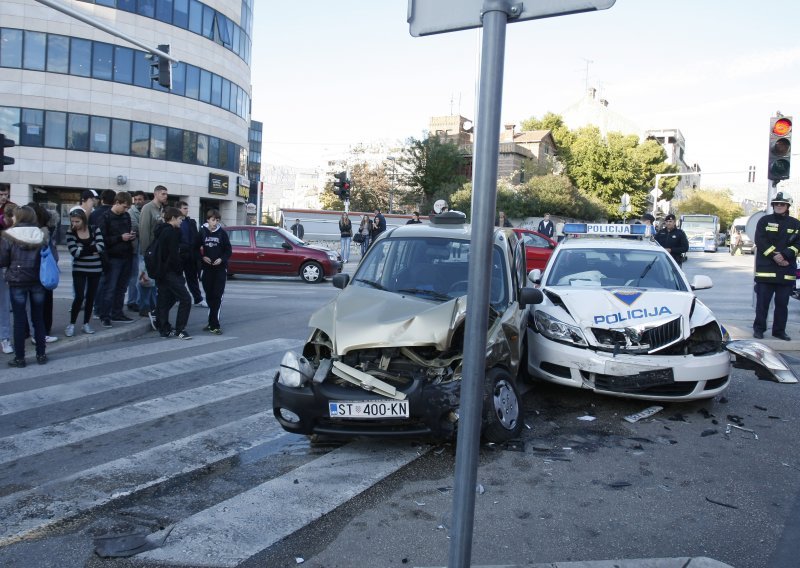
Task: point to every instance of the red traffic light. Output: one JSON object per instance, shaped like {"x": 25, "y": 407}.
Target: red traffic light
{"x": 782, "y": 127}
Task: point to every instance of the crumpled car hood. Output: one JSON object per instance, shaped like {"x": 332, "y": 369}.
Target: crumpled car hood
{"x": 622, "y": 306}
{"x": 361, "y": 318}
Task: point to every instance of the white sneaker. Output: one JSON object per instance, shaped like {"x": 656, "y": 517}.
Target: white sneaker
{"x": 70, "y": 330}
{"x": 7, "y": 347}
{"x": 50, "y": 339}
{"x": 87, "y": 329}
{"x": 201, "y": 304}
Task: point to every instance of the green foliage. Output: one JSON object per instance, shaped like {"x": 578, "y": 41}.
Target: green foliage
{"x": 431, "y": 169}
{"x": 710, "y": 202}
{"x": 605, "y": 168}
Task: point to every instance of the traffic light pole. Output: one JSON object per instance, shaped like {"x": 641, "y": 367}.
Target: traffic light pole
{"x": 101, "y": 26}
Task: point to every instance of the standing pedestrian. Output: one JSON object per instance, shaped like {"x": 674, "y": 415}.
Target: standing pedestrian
{"x": 673, "y": 239}
{"x": 44, "y": 219}
{"x": 190, "y": 255}
{"x": 414, "y": 219}
{"x": 133, "y": 281}
{"x": 777, "y": 245}
{"x": 346, "y": 235}
{"x": 170, "y": 284}
{"x": 546, "y": 227}
{"x": 502, "y": 220}
{"x": 85, "y": 248}
{"x": 150, "y": 216}
{"x": 365, "y": 230}
{"x": 736, "y": 242}
{"x": 118, "y": 236}
{"x": 378, "y": 224}
{"x": 20, "y": 255}
{"x": 215, "y": 250}
{"x": 297, "y": 229}
{"x": 5, "y": 301}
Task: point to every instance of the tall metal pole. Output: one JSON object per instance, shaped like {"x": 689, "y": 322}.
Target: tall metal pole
{"x": 484, "y": 198}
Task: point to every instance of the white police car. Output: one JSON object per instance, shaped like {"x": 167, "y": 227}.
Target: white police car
{"x": 620, "y": 317}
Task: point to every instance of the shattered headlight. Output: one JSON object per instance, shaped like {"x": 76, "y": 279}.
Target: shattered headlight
{"x": 557, "y": 330}
{"x": 295, "y": 370}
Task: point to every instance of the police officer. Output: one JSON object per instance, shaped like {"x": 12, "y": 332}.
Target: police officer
{"x": 673, "y": 239}
{"x": 777, "y": 245}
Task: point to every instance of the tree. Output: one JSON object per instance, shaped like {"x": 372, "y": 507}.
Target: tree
{"x": 605, "y": 168}
{"x": 432, "y": 170}
{"x": 710, "y": 202}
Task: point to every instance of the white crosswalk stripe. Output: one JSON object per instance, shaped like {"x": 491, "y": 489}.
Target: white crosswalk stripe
{"x": 45, "y": 422}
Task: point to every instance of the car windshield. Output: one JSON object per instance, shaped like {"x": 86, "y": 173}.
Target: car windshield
{"x": 614, "y": 267}
{"x": 430, "y": 268}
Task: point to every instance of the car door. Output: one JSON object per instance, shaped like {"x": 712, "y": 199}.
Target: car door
{"x": 242, "y": 259}
{"x": 274, "y": 255}
{"x": 538, "y": 250}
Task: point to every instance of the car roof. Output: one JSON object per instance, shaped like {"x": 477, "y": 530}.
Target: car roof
{"x": 454, "y": 231}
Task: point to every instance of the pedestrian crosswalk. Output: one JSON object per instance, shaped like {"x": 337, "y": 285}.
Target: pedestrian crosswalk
{"x": 70, "y": 443}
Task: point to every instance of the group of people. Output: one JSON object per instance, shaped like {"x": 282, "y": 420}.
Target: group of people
{"x": 109, "y": 237}
{"x": 364, "y": 235}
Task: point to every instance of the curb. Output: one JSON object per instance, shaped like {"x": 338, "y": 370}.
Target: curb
{"x": 100, "y": 337}
{"x": 684, "y": 562}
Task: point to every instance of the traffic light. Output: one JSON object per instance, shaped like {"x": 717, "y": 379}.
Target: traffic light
{"x": 339, "y": 184}
{"x": 5, "y": 143}
{"x": 346, "y": 190}
{"x": 780, "y": 147}
{"x": 160, "y": 68}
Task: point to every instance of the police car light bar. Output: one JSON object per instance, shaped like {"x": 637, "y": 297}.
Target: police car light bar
{"x": 605, "y": 229}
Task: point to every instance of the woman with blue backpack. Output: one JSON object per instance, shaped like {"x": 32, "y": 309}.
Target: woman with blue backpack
{"x": 20, "y": 255}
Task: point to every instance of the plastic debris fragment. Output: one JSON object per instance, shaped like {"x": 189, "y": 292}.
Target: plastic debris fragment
{"x": 729, "y": 427}
{"x": 479, "y": 489}
{"x": 587, "y": 418}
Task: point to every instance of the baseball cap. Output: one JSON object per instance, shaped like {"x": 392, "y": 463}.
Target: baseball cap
{"x": 669, "y": 217}
{"x": 87, "y": 193}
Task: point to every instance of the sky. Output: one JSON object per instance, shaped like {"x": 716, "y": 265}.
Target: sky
{"x": 330, "y": 74}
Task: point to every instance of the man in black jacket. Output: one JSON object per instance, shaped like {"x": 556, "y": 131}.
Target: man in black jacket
{"x": 190, "y": 257}
{"x": 776, "y": 247}
{"x": 118, "y": 235}
{"x": 673, "y": 239}
{"x": 170, "y": 283}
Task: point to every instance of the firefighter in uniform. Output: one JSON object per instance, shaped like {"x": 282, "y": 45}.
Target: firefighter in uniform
{"x": 777, "y": 242}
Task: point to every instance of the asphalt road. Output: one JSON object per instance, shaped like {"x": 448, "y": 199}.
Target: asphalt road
{"x": 145, "y": 434}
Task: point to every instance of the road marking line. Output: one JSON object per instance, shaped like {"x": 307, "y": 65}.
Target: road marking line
{"x": 236, "y": 529}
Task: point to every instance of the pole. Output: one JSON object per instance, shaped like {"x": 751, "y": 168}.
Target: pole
{"x": 484, "y": 198}
{"x": 655, "y": 197}
{"x": 258, "y": 202}
{"x": 108, "y": 29}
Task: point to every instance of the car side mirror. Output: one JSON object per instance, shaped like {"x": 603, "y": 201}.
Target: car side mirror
{"x": 341, "y": 281}
{"x": 535, "y": 276}
{"x": 530, "y": 296}
{"x": 701, "y": 282}
{"x": 286, "y": 246}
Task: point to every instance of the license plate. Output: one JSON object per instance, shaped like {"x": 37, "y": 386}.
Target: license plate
{"x": 370, "y": 409}
{"x": 644, "y": 380}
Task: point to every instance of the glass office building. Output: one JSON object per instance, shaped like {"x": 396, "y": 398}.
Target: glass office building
{"x": 84, "y": 113}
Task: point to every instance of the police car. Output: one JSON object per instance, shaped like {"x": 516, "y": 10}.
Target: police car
{"x": 620, "y": 317}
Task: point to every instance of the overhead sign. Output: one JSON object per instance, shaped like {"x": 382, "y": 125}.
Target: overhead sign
{"x": 426, "y": 17}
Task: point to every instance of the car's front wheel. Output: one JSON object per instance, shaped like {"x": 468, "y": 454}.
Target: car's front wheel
{"x": 502, "y": 412}
{"x": 311, "y": 272}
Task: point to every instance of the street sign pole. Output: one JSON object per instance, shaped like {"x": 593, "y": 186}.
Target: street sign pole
{"x": 484, "y": 198}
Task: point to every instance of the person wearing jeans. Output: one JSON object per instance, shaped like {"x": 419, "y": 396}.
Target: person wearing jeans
{"x": 118, "y": 237}
{"x": 346, "y": 234}
{"x": 20, "y": 249}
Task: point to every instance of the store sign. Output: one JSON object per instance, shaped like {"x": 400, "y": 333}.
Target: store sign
{"x": 243, "y": 190}
{"x": 218, "y": 184}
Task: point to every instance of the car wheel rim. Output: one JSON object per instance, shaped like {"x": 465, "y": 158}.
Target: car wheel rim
{"x": 311, "y": 273}
{"x": 506, "y": 406}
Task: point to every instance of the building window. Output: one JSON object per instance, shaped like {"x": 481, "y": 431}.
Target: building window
{"x": 10, "y": 48}
{"x": 213, "y": 152}
{"x": 31, "y": 127}
{"x": 179, "y": 79}
{"x": 120, "y": 137}
{"x": 141, "y": 70}
{"x": 189, "y": 147}
{"x": 158, "y": 142}
{"x": 34, "y": 51}
{"x": 9, "y": 122}
{"x": 164, "y": 11}
{"x": 192, "y": 82}
{"x": 147, "y": 8}
{"x": 175, "y": 144}
{"x": 140, "y": 139}
{"x": 195, "y": 16}
{"x": 123, "y": 65}
{"x": 205, "y": 86}
{"x": 202, "y": 149}
{"x": 78, "y": 132}
{"x": 57, "y": 53}
{"x": 102, "y": 60}
{"x": 55, "y": 129}
{"x": 80, "y": 57}
{"x": 100, "y": 134}
{"x": 180, "y": 16}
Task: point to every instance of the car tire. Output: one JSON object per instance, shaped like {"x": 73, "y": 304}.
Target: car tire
{"x": 311, "y": 272}
{"x": 503, "y": 413}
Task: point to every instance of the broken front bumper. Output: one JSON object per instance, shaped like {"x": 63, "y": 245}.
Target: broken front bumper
{"x": 430, "y": 410}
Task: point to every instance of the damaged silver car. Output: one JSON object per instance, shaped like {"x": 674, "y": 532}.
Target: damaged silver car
{"x": 384, "y": 358}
